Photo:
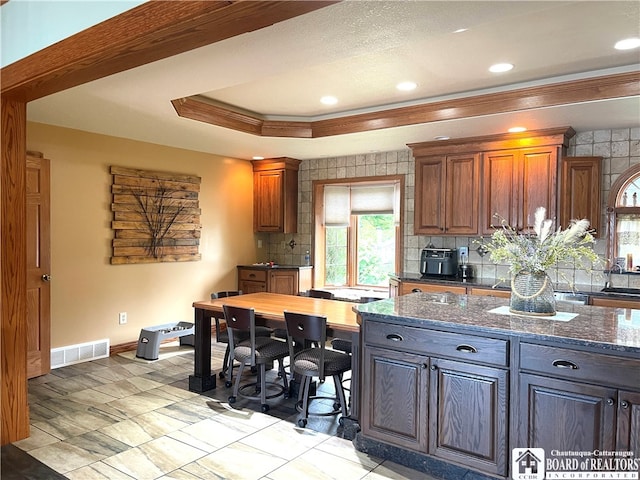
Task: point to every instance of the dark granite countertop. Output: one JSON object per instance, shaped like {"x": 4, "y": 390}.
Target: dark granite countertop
{"x": 267, "y": 266}
{"x": 594, "y": 291}
{"x": 609, "y": 329}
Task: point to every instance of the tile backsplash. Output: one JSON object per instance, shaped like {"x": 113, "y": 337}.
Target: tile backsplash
{"x": 620, "y": 149}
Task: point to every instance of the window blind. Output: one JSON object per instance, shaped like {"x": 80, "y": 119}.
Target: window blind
{"x": 342, "y": 201}
{"x": 337, "y": 207}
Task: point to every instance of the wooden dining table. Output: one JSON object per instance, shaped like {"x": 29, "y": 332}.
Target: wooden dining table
{"x": 342, "y": 322}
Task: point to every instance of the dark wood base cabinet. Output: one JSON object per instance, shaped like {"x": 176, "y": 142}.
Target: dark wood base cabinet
{"x": 453, "y": 410}
{"x": 566, "y": 416}
{"x": 396, "y": 410}
{"x": 285, "y": 280}
{"x": 468, "y": 399}
{"x": 468, "y": 415}
{"x": 578, "y": 417}
{"x": 578, "y": 400}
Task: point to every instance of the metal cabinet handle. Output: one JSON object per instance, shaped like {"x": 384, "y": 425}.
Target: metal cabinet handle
{"x": 416, "y": 290}
{"x": 433, "y": 368}
{"x": 424, "y": 366}
{"x": 466, "y": 348}
{"x": 46, "y": 277}
{"x": 252, "y": 275}
{"x": 395, "y": 337}
{"x": 624, "y": 404}
{"x": 610, "y": 401}
{"x": 565, "y": 364}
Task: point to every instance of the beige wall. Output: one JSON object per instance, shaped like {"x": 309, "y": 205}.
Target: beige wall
{"x": 87, "y": 292}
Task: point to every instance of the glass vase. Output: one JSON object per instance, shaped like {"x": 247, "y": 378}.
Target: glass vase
{"x": 532, "y": 294}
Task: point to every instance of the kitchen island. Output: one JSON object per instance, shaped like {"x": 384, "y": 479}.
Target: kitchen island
{"x": 451, "y": 383}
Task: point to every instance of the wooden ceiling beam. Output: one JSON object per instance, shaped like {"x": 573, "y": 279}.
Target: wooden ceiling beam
{"x": 149, "y": 32}
{"x": 576, "y": 91}
{"x": 144, "y": 34}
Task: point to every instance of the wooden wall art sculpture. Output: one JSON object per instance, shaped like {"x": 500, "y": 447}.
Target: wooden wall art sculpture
{"x": 156, "y": 216}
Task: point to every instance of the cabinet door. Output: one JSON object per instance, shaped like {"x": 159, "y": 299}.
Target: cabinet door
{"x": 538, "y": 184}
{"x": 468, "y": 415}
{"x": 628, "y": 421}
{"x": 500, "y": 189}
{"x": 580, "y": 190}
{"x": 462, "y": 194}
{"x": 268, "y": 194}
{"x": 283, "y": 281}
{"x": 248, "y": 286}
{"x": 394, "y": 398}
{"x": 394, "y": 287}
{"x": 562, "y": 415}
{"x": 429, "y": 214}
{"x": 515, "y": 184}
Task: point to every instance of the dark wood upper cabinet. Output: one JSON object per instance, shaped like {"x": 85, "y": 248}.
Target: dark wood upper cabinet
{"x": 462, "y": 184}
{"x": 517, "y": 182}
{"x": 448, "y": 199}
{"x": 275, "y": 195}
{"x": 581, "y": 185}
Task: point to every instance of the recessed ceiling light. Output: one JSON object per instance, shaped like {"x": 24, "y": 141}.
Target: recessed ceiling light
{"x": 328, "y": 100}
{"x": 406, "y": 86}
{"x": 517, "y": 129}
{"x": 627, "y": 44}
{"x": 441, "y": 137}
{"x": 257, "y": 158}
{"x": 460, "y": 30}
{"x": 500, "y": 67}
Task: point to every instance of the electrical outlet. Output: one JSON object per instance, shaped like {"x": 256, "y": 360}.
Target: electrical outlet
{"x": 463, "y": 252}
{"x": 122, "y": 318}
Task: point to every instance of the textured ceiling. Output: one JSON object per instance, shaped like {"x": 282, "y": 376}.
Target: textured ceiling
{"x": 358, "y": 51}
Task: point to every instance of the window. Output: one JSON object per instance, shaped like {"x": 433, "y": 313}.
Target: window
{"x": 623, "y": 212}
{"x": 357, "y": 231}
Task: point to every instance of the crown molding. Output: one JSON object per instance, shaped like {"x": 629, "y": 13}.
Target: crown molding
{"x": 576, "y": 91}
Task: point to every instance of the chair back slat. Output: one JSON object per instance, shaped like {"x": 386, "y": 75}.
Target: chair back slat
{"x": 241, "y": 319}
{"x": 321, "y": 294}
{"x": 369, "y": 299}
{"x": 303, "y": 329}
{"x": 225, "y": 294}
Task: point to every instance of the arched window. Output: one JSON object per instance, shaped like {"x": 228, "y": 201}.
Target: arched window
{"x": 623, "y": 214}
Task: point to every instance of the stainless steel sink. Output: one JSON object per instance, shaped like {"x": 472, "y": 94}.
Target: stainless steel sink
{"x": 622, "y": 290}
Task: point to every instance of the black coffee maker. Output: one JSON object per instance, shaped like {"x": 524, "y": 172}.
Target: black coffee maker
{"x": 465, "y": 271}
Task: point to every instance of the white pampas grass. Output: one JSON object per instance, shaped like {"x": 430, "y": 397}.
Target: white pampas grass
{"x": 543, "y": 248}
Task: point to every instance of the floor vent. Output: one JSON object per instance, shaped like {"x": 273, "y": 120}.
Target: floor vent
{"x": 82, "y": 352}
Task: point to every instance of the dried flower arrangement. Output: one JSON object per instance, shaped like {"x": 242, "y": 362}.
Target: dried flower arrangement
{"x": 541, "y": 249}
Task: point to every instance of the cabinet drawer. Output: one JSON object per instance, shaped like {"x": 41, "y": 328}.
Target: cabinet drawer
{"x": 578, "y": 365}
{"x": 409, "y": 287}
{"x": 436, "y": 343}
{"x": 253, "y": 275}
{"x": 491, "y": 292}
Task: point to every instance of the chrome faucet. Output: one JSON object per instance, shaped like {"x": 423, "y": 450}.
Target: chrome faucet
{"x": 615, "y": 268}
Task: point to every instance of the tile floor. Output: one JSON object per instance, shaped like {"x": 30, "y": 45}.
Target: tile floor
{"x": 117, "y": 418}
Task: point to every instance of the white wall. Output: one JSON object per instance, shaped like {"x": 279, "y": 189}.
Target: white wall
{"x": 27, "y": 26}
